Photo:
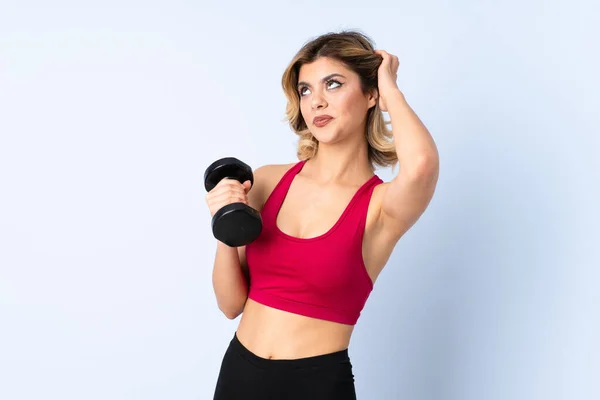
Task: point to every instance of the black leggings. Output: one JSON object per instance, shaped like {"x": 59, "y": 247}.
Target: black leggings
{"x": 246, "y": 376}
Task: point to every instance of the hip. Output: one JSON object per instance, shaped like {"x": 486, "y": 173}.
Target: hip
{"x": 245, "y": 375}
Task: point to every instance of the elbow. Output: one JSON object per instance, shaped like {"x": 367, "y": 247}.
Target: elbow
{"x": 424, "y": 168}
{"x": 231, "y": 312}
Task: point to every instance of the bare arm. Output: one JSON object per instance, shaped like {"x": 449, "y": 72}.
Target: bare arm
{"x": 230, "y": 271}
{"x": 407, "y": 196}
{"x": 230, "y": 279}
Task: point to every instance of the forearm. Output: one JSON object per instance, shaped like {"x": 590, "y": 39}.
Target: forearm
{"x": 414, "y": 145}
{"x": 229, "y": 281}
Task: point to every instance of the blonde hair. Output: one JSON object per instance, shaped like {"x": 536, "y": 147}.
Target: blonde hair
{"x": 356, "y": 51}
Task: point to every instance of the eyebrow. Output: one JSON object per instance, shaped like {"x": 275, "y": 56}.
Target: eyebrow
{"x": 328, "y": 77}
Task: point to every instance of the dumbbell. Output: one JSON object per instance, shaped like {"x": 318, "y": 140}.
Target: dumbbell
{"x": 235, "y": 224}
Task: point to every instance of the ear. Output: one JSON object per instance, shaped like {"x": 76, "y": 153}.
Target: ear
{"x": 372, "y": 97}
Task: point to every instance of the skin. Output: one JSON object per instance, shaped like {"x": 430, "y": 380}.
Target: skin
{"x": 315, "y": 201}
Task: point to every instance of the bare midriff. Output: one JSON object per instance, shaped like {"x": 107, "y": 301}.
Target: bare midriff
{"x": 275, "y": 334}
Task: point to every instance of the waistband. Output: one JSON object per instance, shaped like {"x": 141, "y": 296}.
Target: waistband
{"x": 340, "y": 356}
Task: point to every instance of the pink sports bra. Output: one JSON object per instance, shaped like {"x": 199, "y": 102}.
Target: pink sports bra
{"x": 322, "y": 277}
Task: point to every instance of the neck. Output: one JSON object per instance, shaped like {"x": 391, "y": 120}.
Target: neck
{"x": 340, "y": 163}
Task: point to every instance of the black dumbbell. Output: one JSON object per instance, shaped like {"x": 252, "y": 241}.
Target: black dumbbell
{"x": 236, "y": 224}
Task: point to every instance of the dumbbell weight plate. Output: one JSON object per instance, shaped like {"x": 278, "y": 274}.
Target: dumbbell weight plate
{"x": 229, "y": 167}
{"x": 236, "y": 224}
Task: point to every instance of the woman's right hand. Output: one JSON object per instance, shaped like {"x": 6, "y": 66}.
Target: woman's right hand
{"x": 227, "y": 191}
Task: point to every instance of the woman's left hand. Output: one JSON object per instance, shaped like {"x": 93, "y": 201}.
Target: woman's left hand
{"x": 386, "y": 77}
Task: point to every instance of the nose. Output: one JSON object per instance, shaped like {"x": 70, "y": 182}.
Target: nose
{"x": 318, "y": 101}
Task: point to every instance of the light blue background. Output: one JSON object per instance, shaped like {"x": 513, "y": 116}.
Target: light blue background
{"x": 110, "y": 112}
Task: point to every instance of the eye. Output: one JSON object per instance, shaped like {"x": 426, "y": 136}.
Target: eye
{"x": 333, "y": 81}
{"x": 329, "y": 82}
{"x": 301, "y": 91}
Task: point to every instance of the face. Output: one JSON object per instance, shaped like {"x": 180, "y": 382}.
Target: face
{"x": 328, "y": 88}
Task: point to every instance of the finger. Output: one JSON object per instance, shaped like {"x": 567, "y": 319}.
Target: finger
{"x": 225, "y": 181}
{"x": 227, "y": 198}
{"x": 221, "y": 192}
{"x": 228, "y": 183}
{"x": 238, "y": 191}
{"x": 383, "y": 55}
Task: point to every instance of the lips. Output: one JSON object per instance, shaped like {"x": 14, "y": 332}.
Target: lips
{"x": 322, "y": 120}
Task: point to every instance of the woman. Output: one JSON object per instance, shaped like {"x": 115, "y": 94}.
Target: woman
{"x": 329, "y": 223}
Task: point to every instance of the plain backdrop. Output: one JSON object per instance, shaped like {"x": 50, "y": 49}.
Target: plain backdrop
{"x": 111, "y": 111}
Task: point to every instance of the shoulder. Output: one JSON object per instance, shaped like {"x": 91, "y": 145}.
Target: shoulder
{"x": 272, "y": 171}
{"x": 266, "y": 177}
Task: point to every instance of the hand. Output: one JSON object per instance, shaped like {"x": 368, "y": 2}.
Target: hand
{"x": 227, "y": 191}
{"x": 386, "y": 77}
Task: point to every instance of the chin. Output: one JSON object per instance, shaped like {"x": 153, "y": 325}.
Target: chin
{"x": 324, "y": 138}
{"x": 328, "y": 137}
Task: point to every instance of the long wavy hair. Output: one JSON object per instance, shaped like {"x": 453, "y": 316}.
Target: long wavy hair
{"x": 356, "y": 51}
